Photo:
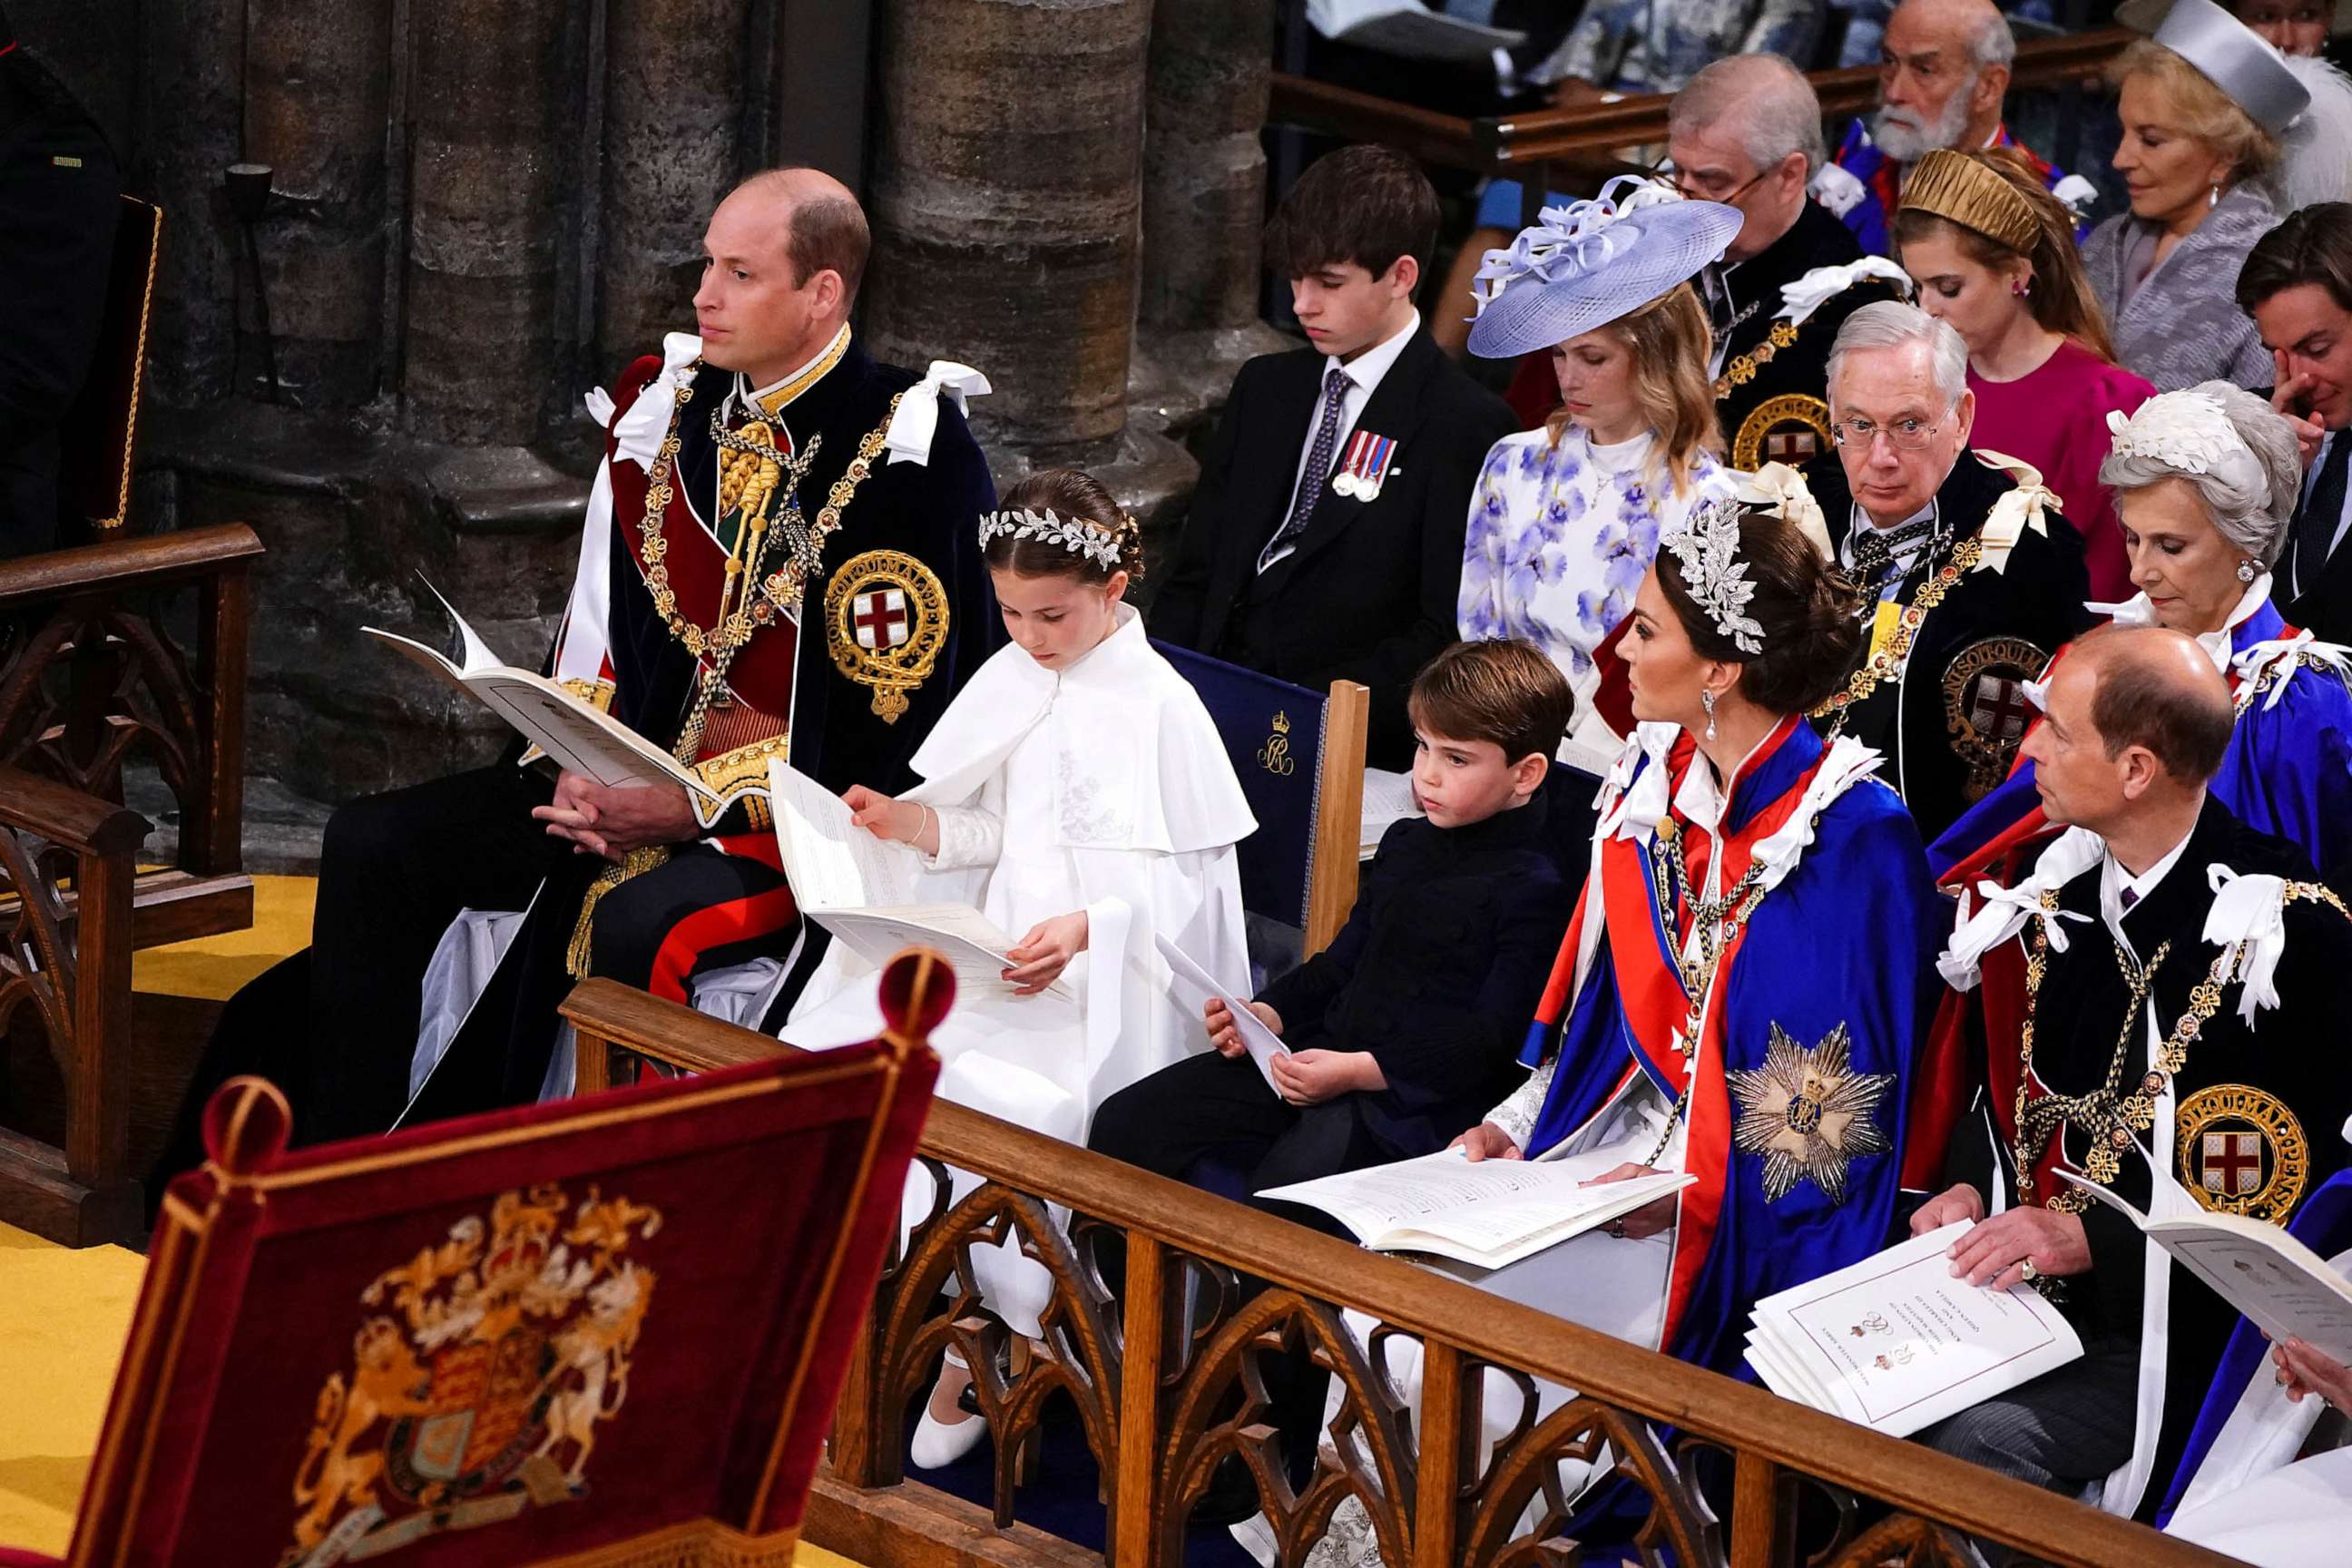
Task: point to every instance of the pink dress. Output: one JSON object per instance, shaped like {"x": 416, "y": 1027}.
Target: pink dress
{"x": 2056, "y": 420}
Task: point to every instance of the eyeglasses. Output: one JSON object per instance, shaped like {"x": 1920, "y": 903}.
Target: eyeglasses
{"x": 1903, "y": 435}
{"x": 1681, "y": 179}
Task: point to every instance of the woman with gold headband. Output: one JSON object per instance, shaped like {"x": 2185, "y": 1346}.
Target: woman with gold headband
{"x": 1993, "y": 253}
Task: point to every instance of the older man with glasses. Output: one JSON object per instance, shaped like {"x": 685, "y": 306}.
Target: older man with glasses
{"x": 1969, "y": 585}
{"x": 1747, "y": 132}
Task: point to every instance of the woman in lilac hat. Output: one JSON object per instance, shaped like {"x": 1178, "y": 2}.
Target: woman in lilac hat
{"x": 1565, "y": 519}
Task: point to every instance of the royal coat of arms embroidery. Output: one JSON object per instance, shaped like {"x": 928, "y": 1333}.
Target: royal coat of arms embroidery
{"x": 1808, "y": 1113}
{"x": 478, "y": 1392}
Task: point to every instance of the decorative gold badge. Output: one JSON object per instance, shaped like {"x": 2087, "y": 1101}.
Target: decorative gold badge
{"x": 1275, "y": 755}
{"x": 886, "y": 619}
{"x": 1793, "y": 429}
{"x": 1986, "y": 708}
{"x": 1808, "y": 1113}
{"x": 2242, "y": 1151}
{"x": 512, "y": 1342}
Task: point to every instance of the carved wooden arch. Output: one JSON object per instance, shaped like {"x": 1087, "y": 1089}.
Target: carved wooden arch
{"x": 150, "y": 699}
{"x": 1080, "y": 1358}
{"x": 1907, "y": 1540}
{"x": 1372, "y": 1457}
{"x": 1525, "y": 1465}
{"x": 37, "y": 960}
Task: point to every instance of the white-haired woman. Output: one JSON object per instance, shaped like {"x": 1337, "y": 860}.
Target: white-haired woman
{"x": 2219, "y": 135}
{"x": 1565, "y": 517}
{"x": 2205, "y": 481}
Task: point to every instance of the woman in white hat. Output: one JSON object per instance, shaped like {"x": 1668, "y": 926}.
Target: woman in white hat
{"x": 1565, "y": 519}
{"x": 2221, "y": 135}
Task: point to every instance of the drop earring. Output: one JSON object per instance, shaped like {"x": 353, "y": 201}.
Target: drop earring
{"x": 2213, "y": 197}
{"x": 1706, "y": 700}
{"x": 2245, "y": 571}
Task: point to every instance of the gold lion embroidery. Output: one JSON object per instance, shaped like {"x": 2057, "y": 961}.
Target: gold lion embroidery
{"x": 886, "y": 620}
{"x": 1808, "y": 1113}
{"x": 477, "y": 1389}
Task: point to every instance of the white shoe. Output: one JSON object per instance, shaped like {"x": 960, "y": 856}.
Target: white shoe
{"x": 1255, "y": 1535}
{"x": 937, "y": 1444}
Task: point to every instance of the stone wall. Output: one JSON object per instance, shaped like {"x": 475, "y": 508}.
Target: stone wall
{"x": 483, "y": 208}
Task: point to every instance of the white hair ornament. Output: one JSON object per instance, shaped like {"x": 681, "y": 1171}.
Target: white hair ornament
{"x": 1707, "y": 544}
{"x": 1077, "y": 535}
{"x": 2190, "y": 433}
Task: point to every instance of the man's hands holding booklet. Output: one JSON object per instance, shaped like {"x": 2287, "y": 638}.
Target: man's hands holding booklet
{"x": 2011, "y": 1247}
{"x": 599, "y": 820}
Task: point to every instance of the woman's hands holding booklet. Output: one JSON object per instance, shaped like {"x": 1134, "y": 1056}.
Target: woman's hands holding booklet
{"x": 1226, "y": 1035}
{"x": 1650, "y": 1218}
{"x": 1039, "y": 958}
{"x": 899, "y": 821}
{"x": 2302, "y": 1370}
{"x": 1487, "y": 1142}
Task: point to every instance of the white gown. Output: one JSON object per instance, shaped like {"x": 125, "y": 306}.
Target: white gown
{"x": 1104, "y": 788}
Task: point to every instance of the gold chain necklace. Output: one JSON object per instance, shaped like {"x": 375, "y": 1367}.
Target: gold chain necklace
{"x": 1889, "y": 660}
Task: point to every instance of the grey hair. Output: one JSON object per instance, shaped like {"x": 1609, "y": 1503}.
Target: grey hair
{"x": 1778, "y": 113}
{"x": 2254, "y": 523}
{"x": 1892, "y": 324}
{"x": 1994, "y": 44}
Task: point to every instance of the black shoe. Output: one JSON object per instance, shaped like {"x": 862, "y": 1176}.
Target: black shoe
{"x": 1231, "y": 1496}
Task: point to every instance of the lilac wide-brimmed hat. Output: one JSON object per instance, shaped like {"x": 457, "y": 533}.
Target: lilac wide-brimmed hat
{"x": 1584, "y": 264}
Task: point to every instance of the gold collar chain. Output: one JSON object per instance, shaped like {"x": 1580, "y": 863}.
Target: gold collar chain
{"x": 1742, "y": 371}
{"x": 1889, "y": 660}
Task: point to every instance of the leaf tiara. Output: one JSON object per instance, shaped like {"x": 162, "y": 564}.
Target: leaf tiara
{"x": 1707, "y": 544}
{"x": 1078, "y": 535}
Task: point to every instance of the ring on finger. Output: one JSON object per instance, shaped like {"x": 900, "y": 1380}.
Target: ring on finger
{"x": 2026, "y": 1271}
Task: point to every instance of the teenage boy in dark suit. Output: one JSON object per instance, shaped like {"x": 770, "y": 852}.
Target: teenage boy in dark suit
{"x": 1325, "y": 540}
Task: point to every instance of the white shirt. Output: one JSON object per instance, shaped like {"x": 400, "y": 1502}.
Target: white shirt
{"x": 2114, "y": 882}
{"x": 1364, "y": 374}
{"x": 1906, "y": 559}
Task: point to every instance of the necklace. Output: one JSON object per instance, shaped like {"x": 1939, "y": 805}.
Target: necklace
{"x": 1742, "y": 371}
{"x": 1715, "y": 921}
{"x": 1889, "y": 660}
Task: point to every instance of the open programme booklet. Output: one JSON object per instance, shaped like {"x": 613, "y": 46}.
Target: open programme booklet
{"x": 2283, "y": 1287}
{"x": 864, "y": 891}
{"x": 576, "y": 736}
{"x": 1488, "y": 1214}
{"x": 1895, "y": 1343}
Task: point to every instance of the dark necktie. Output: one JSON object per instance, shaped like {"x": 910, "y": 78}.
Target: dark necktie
{"x": 1876, "y": 549}
{"x": 1318, "y": 468}
{"x": 2315, "y": 525}
{"x": 2129, "y": 898}
{"x": 1720, "y": 319}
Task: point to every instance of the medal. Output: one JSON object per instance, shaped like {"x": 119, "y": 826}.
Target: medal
{"x": 1343, "y": 483}
{"x": 1365, "y": 466}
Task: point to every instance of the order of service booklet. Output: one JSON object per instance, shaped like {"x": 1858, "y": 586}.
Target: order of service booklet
{"x": 1894, "y": 1342}
{"x": 863, "y": 890}
{"x": 1490, "y": 1212}
{"x": 1262, "y": 1043}
{"x": 2283, "y": 1287}
{"x": 575, "y": 736}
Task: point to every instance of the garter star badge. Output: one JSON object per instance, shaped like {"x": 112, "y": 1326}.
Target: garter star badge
{"x": 2242, "y": 1151}
{"x": 1808, "y": 1113}
{"x": 886, "y": 619}
{"x": 1987, "y": 707}
{"x": 477, "y": 1388}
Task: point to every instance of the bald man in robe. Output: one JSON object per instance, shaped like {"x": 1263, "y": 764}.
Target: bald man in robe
{"x": 2168, "y": 993}
{"x": 1943, "y": 73}
{"x": 780, "y": 560}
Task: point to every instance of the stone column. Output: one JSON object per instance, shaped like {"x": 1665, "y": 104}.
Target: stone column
{"x": 1204, "y": 168}
{"x": 489, "y": 88}
{"x": 317, "y": 75}
{"x": 674, "y": 79}
{"x": 191, "y": 105}
{"x": 1005, "y": 204}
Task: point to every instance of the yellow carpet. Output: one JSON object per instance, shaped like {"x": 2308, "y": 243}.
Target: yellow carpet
{"x": 215, "y": 966}
{"x": 63, "y": 1318}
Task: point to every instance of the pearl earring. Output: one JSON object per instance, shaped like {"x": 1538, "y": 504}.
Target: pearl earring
{"x": 2213, "y": 197}
{"x": 1706, "y": 700}
{"x": 2020, "y": 286}
{"x": 2245, "y": 571}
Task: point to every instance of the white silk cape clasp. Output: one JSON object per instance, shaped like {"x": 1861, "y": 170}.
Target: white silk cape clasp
{"x": 1781, "y": 490}
{"x": 2248, "y": 921}
{"x": 1817, "y": 288}
{"x": 2263, "y": 656}
{"x": 909, "y": 437}
{"x": 2015, "y": 511}
{"x": 641, "y": 431}
{"x": 2002, "y": 912}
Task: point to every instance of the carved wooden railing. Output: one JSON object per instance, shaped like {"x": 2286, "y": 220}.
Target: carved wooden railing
{"x": 1571, "y": 148}
{"x": 65, "y": 869}
{"x": 91, "y": 679}
{"x": 1169, "y": 1379}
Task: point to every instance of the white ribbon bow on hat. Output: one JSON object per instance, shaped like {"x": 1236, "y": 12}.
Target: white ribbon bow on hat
{"x": 2248, "y": 922}
{"x": 1781, "y": 490}
{"x": 918, "y": 418}
{"x": 639, "y": 434}
{"x": 2016, "y": 511}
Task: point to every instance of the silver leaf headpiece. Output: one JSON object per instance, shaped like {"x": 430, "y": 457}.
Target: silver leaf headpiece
{"x": 1707, "y": 543}
{"x": 1078, "y": 535}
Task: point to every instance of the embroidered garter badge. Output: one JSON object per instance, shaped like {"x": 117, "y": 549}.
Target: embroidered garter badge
{"x": 1793, "y": 429}
{"x": 477, "y": 1385}
{"x": 1986, "y": 707}
{"x": 886, "y": 619}
{"x": 1808, "y": 1113}
{"x": 2242, "y": 1151}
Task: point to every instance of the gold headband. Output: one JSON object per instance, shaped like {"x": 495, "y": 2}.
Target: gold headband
{"x": 1959, "y": 188}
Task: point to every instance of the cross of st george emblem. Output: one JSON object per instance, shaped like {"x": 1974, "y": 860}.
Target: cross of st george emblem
{"x": 1986, "y": 709}
{"x": 1999, "y": 707}
{"x": 2242, "y": 1151}
{"x": 886, "y": 620}
{"x": 880, "y": 619}
{"x": 1808, "y": 1113}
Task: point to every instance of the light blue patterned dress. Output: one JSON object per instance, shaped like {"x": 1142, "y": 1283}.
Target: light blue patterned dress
{"x": 1559, "y": 537}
